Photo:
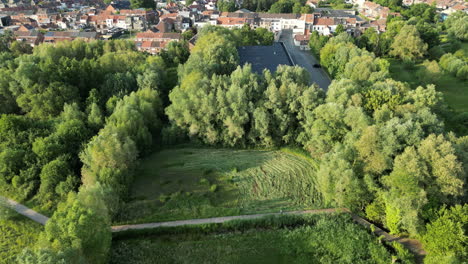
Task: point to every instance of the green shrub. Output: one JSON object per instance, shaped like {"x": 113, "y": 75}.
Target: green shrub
{"x": 204, "y": 181}
{"x": 213, "y": 188}
{"x": 163, "y": 198}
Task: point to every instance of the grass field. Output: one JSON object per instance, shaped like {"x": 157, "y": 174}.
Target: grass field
{"x": 330, "y": 239}
{"x": 455, "y": 90}
{"x": 15, "y": 235}
{"x": 190, "y": 183}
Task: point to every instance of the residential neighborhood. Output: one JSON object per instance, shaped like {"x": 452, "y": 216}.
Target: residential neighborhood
{"x": 53, "y": 21}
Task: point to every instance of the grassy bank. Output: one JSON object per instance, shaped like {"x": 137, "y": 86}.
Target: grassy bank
{"x": 190, "y": 183}
{"x": 286, "y": 239}
{"x": 455, "y": 90}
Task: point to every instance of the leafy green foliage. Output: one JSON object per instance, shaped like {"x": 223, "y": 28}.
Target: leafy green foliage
{"x": 317, "y": 42}
{"x": 271, "y": 105}
{"x": 457, "y": 25}
{"x": 81, "y": 227}
{"x": 142, "y": 4}
{"x": 455, "y": 65}
{"x": 408, "y": 45}
{"x": 301, "y": 239}
{"x": 226, "y": 5}
{"x": 445, "y": 238}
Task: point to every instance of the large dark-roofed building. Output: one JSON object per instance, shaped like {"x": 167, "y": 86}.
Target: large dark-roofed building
{"x": 264, "y": 57}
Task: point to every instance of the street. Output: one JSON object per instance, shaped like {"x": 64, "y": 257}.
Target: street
{"x": 305, "y": 59}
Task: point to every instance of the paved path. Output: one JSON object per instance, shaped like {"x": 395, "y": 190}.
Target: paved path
{"x": 412, "y": 244}
{"x": 305, "y": 59}
{"x": 29, "y": 213}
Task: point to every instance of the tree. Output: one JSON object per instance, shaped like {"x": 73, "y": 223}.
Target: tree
{"x": 408, "y": 45}
{"x": 445, "y": 238}
{"x": 371, "y": 40}
{"x": 264, "y": 36}
{"x": 421, "y": 181}
{"x": 20, "y": 47}
{"x": 80, "y": 227}
{"x": 7, "y": 98}
{"x": 95, "y": 117}
{"x": 297, "y": 7}
{"x": 5, "y": 39}
{"x": 47, "y": 101}
{"x": 421, "y": 10}
{"x": 215, "y": 52}
{"x": 317, "y": 42}
{"x": 366, "y": 68}
{"x": 429, "y": 72}
{"x": 338, "y": 182}
{"x": 307, "y": 10}
{"x": 52, "y": 174}
{"x": 457, "y": 25}
{"x": 339, "y": 29}
{"x": 226, "y": 6}
{"x": 338, "y": 52}
{"x": 284, "y": 6}
{"x": 142, "y": 4}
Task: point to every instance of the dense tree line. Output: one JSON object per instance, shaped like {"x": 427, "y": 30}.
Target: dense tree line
{"x": 55, "y": 99}
{"x": 290, "y": 6}
{"x": 79, "y": 230}
{"x": 419, "y": 34}
{"x": 53, "y": 102}
{"x": 258, "y": 5}
{"x": 343, "y": 59}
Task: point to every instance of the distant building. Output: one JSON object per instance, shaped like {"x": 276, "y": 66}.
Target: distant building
{"x": 154, "y": 42}
{"x": 58, "y": 36}
{"x": 5, "y": 21}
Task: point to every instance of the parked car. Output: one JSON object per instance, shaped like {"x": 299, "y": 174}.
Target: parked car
{"x": 317, "y": 66}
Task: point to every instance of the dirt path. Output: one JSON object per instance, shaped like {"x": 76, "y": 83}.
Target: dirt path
{"x": 29, "y": 213}
{"x": 411, "y": 244}
{"x": 213, "y": 220}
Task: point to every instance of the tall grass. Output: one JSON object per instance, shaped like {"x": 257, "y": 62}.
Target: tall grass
{"x": 280, "y": 239}
{"x": 247, "y": 181}
{"x": 16, "y": 233}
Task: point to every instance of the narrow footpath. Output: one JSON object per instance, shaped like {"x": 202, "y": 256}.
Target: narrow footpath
{"x": 23, "y": 210}
{"x": 411, "y": 244}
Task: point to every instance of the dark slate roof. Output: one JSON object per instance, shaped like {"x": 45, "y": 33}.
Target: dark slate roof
{"x": 264, "y": 57}
{"x": 121, "y": 4}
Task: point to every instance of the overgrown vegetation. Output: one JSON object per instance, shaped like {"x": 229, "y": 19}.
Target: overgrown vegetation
{"x": 292, "y": 239}
{"x": 186, "y": 183}
{"x": 16, "y": 233}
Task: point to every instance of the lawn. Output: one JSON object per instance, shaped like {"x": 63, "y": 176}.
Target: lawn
{"x": 187, "y": 183}
{"x": 455, "y": 90}
{"x": 16, "y": 234}
{"x": 327, "y": 239}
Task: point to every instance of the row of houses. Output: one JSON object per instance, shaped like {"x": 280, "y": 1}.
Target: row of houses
{"x": 34, "y": 37}
{"x": 97, "y": 18}
{"x": 444, "y": 6}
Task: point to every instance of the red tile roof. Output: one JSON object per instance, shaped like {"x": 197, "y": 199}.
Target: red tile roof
{"x": 324, "y": 21}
